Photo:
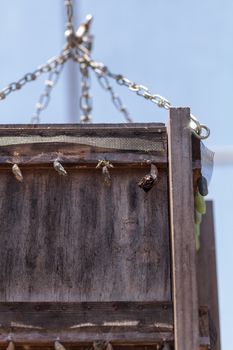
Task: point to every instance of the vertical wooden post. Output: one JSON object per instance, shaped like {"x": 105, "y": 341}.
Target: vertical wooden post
{"x": 186, "y": 329}
{"x": 207, "y": 275}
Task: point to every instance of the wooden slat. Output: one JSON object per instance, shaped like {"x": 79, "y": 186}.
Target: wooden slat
{"x": 74, "y": 337}
{"x": 75, "y": 155}
{"x": 154, "y": 315}
{"x": 182, "y": 231}
{"x": 207, "y": 274}
{"x": 122, "y": 323}
{"x": 82, "y": 323}
{"x": 77, "y": 126}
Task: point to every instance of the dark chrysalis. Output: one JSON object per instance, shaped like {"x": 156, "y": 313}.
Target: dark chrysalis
{"x": 148, "y": 181}
{"x": 202, "y": 186}
{"x": 166, "y": 346}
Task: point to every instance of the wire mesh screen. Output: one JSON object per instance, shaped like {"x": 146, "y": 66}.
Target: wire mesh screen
{"x": 120, "y": 143}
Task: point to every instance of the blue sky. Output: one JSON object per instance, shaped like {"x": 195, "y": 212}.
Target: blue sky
{"x": 180, "y": 49}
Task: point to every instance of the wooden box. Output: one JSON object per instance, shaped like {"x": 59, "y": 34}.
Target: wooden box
{"x": 82, "y": 260}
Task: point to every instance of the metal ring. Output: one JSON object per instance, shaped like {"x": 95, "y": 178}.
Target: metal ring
{"x": 207, "y": 132}
{"x": 198, "y": 129}
{"x": 134, "y": 87}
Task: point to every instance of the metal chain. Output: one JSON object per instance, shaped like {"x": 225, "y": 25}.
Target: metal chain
{"x": 78, "y": 48}
{"x": 51, "y": 65}
{"x": 102, "y": 72}
{"x": 85, "y": 101}
{"x": 116, "y": 100}
{"x": 140, "y": 90}
{"x": 69, "y": 15}
{"x": 44, "y": 98}
{"x": 54, "y": 74}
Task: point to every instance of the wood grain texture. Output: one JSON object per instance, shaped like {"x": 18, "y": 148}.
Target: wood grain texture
{"x": 74, "y": 338}
{"x": 74, "y": 127}
{"x": 74, "y": 239}
{"x": 153, "y": 316}
{"x": 207, "y": 274}
{"x": 75, "y": 155}
{"x": 182, "y": 231}
{"x": 126, "y": 323}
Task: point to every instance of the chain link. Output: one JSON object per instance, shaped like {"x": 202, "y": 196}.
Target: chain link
{"x": 78, "y": 48}
{"x": 102, "y": 78}
{"x": 51, "y": 65}
{"x": 44, "y": 98}
{"x": 69, "y": 15}
{"x": 116, "y": 100}
{"x": 199, "y": 130}
{"x": 85, "y": 101}
{"x": 140, "y": 90}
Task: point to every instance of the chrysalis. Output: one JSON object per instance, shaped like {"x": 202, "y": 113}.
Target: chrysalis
{"x": 148, "y": 181}
{"x": 58, "y": 346}
{"x": 109, "y": 347}
{"x": 11, "y": 346}
{"x": 100, "y": 345}
{"x": 197, "y": 230}
{"x": 106, "y": 165}
{"x": 59, "y": 168}
{"x": 17, "y": 172}
{"x": 106, "y": 175}
{"x": 202, "y": 185}
{"x": 199, "y": 202}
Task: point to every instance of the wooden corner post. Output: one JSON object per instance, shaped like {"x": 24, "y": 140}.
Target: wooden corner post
{"x": 186, "y": 329}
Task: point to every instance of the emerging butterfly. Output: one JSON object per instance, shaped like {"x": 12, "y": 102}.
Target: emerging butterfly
{"x": 148, "y": 181}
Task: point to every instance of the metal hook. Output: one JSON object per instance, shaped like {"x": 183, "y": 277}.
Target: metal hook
{"x": 17, "y": 173}
{"x": 84, "y": 28}
{"x": 197, "y": 128}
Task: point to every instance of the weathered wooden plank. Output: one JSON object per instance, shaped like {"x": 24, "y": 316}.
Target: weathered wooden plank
{"x": 155, "y": 316}
{"x": 74, "y": 337}
{"x": 207, "y": 274}
{"x": 130, "y": 323}
{"x": 82, "y": 144}
{"x": 82, "y": 129}
{"x": 81, "y": 323}
{"x": 75, "y": 144}
{"x": 74, "y": 346}
{"x": 48, "y": 128}
{"x": 75, "y": 239}
{"x": 76, "y": 155}
{"x": 182, "y": 230}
